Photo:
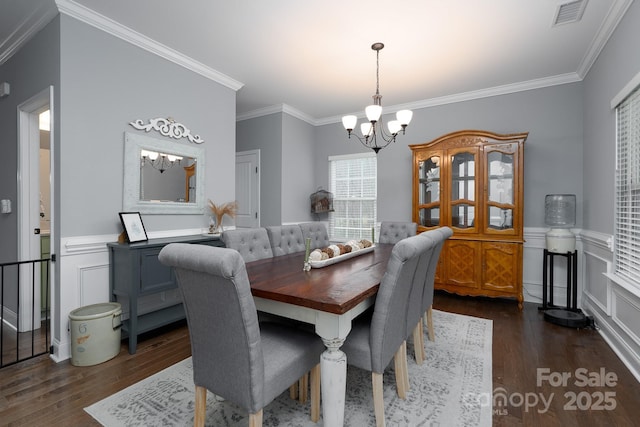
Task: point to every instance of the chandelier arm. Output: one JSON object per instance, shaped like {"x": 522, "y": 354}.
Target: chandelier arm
{"x": 386, "y": 136}
{"x": 373, "y": 139}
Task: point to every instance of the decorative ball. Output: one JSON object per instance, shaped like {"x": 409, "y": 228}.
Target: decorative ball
{"x": 334, "y": 250}
{"x": 315, "y": 255}
{"x": 365, "y": 243}
{"x": 355, "y": 246}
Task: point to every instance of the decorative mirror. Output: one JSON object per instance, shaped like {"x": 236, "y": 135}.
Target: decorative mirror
{"x": 162, "y": 177}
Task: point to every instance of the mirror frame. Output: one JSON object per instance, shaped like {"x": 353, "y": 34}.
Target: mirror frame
{"x": 133, "y": 143}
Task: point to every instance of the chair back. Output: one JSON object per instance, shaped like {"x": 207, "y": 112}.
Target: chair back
{"x": 414, "y": 309}
{"x": 317, "y": 231}
{"x": 252, "y": 243}
{"x": 285, "y": 239}
{"x": 439, "y": 235}
{"x": 222, "y": 320}
{"x": 393, "y": 232}
{"x": 388, "y": 323}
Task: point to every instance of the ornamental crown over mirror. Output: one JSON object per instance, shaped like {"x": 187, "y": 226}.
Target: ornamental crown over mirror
{"x": 167, "y": 127}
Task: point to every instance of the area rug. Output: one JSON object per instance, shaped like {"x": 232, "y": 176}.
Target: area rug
{"x": 452, "y": 388}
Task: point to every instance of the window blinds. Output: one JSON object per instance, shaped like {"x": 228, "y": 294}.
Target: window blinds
{"x": 353, "y": 182}
{"x": 627, "y": 217}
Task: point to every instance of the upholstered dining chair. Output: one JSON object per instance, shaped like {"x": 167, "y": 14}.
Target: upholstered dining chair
{"x": 318, "y": 233}
{"x": 252, "y": 243}
{"x": 393, "y": 232}
{"x": 285, "y": 239}
{"x": 414, "y": 309}
{"x": 234, "y": 356}
{"x": 440, "y": 235}
{"x": 380, "y": 336}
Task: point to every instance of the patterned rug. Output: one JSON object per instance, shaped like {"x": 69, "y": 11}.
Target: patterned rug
{"x": 452, "y": 388}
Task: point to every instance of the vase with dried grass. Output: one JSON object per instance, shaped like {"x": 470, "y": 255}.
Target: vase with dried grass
{"x": 219, "y": 211}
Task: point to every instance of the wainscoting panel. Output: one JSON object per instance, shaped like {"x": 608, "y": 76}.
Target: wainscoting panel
{"x": 614, "y": 305}
{"x": 626, "y": 312}
{"x": 84, "y": 279}
{"x": 595, "y": 283}
{"x": 93, "y": 283}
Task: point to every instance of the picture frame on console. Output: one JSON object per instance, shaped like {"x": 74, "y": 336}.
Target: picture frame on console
{"x": 133, "y": 226}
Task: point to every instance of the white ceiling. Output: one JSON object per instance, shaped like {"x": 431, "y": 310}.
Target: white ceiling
{"x": 315, "y": 57}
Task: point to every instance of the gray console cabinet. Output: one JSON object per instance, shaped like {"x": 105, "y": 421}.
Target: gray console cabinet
{"x": 136, "y": 273}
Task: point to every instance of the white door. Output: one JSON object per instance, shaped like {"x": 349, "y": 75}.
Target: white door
{"x": 248, "y": 188}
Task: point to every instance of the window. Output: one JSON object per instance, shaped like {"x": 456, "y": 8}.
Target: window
{"x": 627, "y": 215}
{"x": 353, "y": 182}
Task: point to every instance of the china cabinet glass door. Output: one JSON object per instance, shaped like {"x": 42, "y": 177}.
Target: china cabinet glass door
{"x": 463, "y": 190}
{"x": 501, "y": 183}
{"x": 429, "y": 191}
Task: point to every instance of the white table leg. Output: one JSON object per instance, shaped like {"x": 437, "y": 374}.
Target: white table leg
{"x": 333, "y": 377}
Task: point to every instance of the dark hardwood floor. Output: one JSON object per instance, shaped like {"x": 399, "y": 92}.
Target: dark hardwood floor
{"x": 41, "y": 392}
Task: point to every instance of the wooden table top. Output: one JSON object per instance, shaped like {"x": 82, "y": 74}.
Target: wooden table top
{"x": 336, "y": 288}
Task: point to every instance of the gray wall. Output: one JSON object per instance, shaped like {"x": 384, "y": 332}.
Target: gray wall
{"x": 616, "y": 66}
{"x": 31, "y": 70}
{"x": 107, "y": 83}
{"x": 287, "y": 178}
{"x": 298, "y": 179}
{"x": 553, "y": 150}
{"x": 265, "y": 134}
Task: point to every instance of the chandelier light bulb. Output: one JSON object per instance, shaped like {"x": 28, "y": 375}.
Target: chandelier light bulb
{"x": 394, "y": 127}
{"x": 349, "y": 122}
{"x": 366, "y": 129}
{"x": 404, "y": 117}
{"x": 373, "y": 112}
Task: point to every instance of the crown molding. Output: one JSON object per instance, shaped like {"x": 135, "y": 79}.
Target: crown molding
{"x": 88, "y": 16}
{"x": 468, "y": 96}
{"x": 610, "y": 23}
{"x": 279, "y": 108}
{"x": 426, "y": 103}
{"x": 33, "y": 23}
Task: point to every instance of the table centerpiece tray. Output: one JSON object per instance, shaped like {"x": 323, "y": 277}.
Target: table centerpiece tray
{"x": 340, "y": 258}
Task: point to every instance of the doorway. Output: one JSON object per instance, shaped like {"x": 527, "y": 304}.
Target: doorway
{"x": 35, "y": 204}
{"x": 248, "y": 188}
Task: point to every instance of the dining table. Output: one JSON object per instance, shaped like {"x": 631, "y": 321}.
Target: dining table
{"x": 328, "y": 298}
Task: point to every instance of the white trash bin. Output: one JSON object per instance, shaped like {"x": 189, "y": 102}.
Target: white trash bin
{"x": 95, "y": 333}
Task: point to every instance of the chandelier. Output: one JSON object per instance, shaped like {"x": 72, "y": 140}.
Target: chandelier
{"x": 159, "y": 161}
{"x": 374, "y": 135}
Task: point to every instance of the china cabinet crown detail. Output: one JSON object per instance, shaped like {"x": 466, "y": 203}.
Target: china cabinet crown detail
{"x": 472, "y": 181}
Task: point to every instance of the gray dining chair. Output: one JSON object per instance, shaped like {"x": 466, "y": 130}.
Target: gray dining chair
{"x": 317, "y": 231}
{"x": 285, "y": 239}
{"x": 234, "y": 356}
{"x": 252, "y": 243}
{"x": 394, "y": 231}
{"x": 378, "y": 337}
{"x": 440, "y": 235}
{"x": 414, "y": 309}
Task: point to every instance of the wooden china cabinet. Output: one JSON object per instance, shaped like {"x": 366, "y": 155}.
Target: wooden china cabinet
{"x": 472, "y": 181}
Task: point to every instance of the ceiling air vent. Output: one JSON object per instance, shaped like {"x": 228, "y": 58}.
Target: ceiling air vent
{"x": 570, "y": 12}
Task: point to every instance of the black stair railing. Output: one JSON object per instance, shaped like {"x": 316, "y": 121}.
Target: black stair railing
{"x": 15, "y": 278}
